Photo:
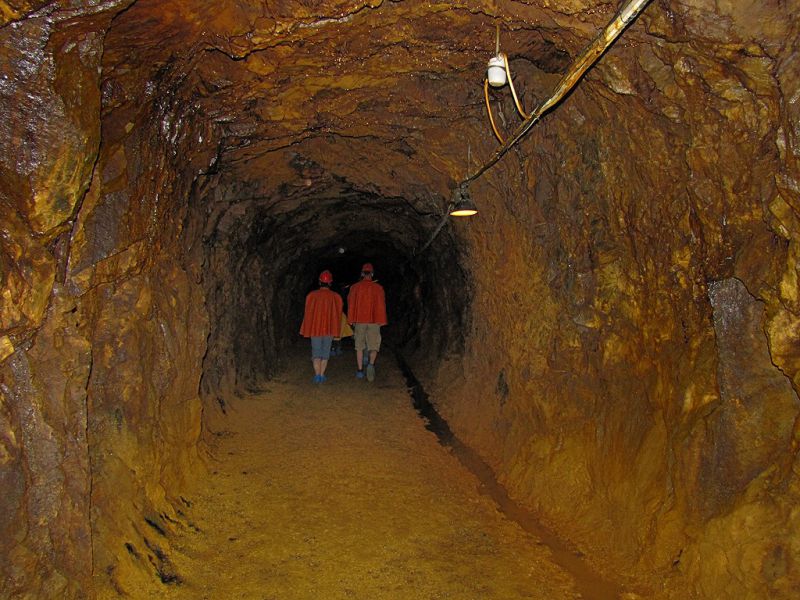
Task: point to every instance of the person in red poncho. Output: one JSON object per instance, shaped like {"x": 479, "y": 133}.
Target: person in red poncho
{"x": 322, "y": 321}
{"x": 366, "y": 311}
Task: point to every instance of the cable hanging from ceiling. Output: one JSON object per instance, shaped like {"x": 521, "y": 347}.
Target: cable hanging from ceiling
{"x": 499, "y": 73}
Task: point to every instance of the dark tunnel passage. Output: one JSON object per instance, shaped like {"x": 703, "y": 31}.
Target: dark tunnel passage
{"x": 615, "y": 335}
{"x": 262, "y": 257}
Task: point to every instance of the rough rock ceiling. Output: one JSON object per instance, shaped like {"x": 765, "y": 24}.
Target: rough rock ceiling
{"x": 390, "y": 87}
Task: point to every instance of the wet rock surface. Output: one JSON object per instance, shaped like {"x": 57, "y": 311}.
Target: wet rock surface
{"x": 616, "y": 333}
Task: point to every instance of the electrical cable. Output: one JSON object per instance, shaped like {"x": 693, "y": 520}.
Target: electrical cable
{"x": 591, "y": 54}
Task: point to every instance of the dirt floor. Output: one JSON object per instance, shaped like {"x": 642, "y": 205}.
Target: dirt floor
{"x": 338, "y": 491}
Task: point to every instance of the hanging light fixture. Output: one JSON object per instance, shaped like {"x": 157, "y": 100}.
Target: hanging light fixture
{"x": 461, "y": 205}
{"x": 626, "y": 14}
{"x": 496, "y": 70}
{"x": 498, "y": 73}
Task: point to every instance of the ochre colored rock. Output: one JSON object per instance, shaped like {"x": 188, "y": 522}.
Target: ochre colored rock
{"x": 45, "y": 506}
{"x": 28, "y": 272}
{"x": 617, "y": 332}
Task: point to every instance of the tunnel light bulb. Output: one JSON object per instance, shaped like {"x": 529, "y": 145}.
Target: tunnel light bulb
{"x": 340, "y": 250}
{"x": 464, "y": 210}
{"x": 462, "y": 205}
{"x": 496, "y": 71}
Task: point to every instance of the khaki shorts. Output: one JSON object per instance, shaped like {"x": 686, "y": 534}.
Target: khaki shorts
{"x": 367, "y": 335}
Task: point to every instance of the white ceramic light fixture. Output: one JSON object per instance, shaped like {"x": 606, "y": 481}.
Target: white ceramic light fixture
{"x": 496, "y": 70}
{"x": 498, "y": 74}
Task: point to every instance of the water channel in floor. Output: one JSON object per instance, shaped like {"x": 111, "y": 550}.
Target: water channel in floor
{"x": 590, "y": 584}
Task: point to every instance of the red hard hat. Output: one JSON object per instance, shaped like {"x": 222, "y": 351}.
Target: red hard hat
{"x": 326, "y": 276}
{"x": 367, "y": 268}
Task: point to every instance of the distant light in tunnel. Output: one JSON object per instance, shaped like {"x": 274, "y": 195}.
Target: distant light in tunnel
{"x": 340, "y": 250}
{"x": 461, "y": 205}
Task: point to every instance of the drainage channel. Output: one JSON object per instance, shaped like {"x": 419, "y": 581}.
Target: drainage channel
{"x": 590, "y": 585}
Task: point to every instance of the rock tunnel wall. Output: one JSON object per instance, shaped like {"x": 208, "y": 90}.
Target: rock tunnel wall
{"x": 634, "y": 371}
{"x": 104, "y": 326}
{"x": 617, "y": 332}
{"x": 46, "y": 359}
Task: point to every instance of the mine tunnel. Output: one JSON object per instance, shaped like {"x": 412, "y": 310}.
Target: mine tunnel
{"x": 268, "y": 256}
{"x": 613, "y": 340}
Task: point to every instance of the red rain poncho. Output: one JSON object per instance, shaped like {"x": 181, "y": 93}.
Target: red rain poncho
{"x": 323, "y": 314}
{"x": 366, "y": 303}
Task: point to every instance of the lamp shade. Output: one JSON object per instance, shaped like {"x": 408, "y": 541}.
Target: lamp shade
{"x": 496, "y": 71}
{"x": 462, "y": 205}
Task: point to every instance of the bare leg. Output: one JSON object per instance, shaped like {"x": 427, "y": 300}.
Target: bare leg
{"x": 359, "y": 358}
{"x": 323, "y": 364}
{"x": 371, "y": 366}
{"x": 318, "y": 368}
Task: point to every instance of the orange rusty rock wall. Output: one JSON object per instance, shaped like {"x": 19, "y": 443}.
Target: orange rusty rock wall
{"x": 103, "y": 323}
{"x": 49, "y": 137}
{"x": 45, "y": 467}
{"x": 145, "y": 316}
{"x": 629, "y": 370}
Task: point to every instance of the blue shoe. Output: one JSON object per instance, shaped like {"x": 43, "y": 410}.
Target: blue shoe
{"x": 317, "y": 379}
{"x": 359, "y": 374}
{"x": 370, "y": 372}
{"x": 322, "y": 379}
